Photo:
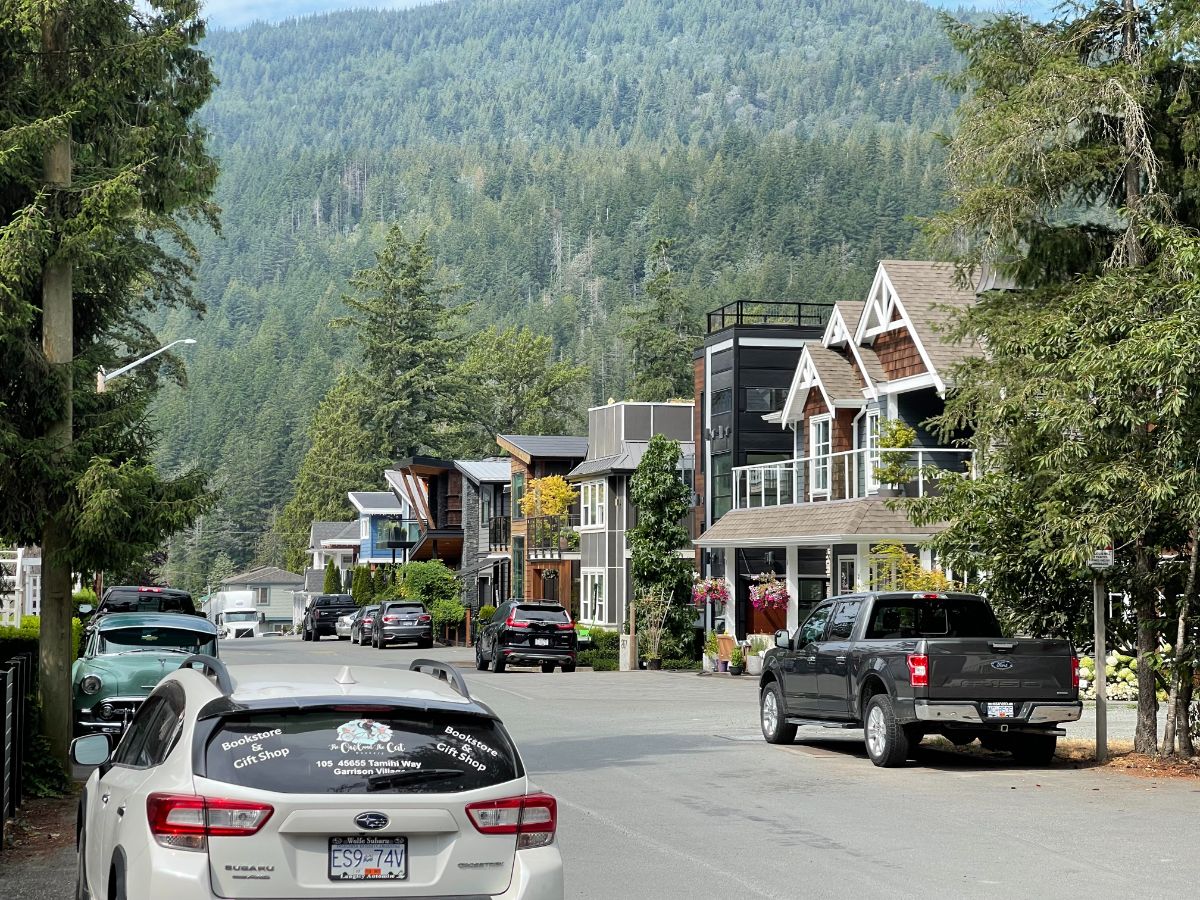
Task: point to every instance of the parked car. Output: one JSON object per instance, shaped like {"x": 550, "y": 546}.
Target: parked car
{"x": 902, "y": 665}
{"x": 362, "y": 625}
{"x": 320, "y": 618}
{"x": 527, "y": 633}
{"x": 299, "y": 781}
{"x": 342, "y": 628}
{"x": 127, "y": 598}
{"x": 124, "y": 657}
{"x": 400, "y": 621}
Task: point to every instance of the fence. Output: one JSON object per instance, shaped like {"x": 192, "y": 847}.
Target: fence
{"x": 16, "y": 686}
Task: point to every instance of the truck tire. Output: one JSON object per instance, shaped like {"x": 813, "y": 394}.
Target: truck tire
{"x": 771, "y": 716}
{"x": 888, "y": 742}
{"x": 1034, "y": 749}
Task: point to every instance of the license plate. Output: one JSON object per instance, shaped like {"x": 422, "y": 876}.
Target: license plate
{"x": 1000, "y": 710}
{"x": 541, "y": 642}
{"x": 368, "y": 858}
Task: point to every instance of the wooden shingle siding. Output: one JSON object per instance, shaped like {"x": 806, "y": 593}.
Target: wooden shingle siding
{"x": 898, "y": 354}
{"x": 815, "y": 404}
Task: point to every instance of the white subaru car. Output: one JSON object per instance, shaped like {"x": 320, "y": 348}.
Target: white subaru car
{"x": 313, "y": 782}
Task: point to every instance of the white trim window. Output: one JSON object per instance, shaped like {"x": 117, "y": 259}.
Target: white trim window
{"x": 364, "y": 528}
{"x": 820, "y": 449}
{"x": 871, "y": 457}
{"x": 593, "y": 605}
{"x": 593, "y": 496}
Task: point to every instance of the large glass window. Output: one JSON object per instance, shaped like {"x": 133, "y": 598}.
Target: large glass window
{"x": 722, "y": 401}
{"x": 871, "y": 440}
{"x": 593, "y": 497}
{"x": 820, "y": 447}
{"x": 518, "y": 573}
{"x": 765, "y": 399}
{"x": 518, "y": 491}
{"x": 593, "y": 606}
{"x": 722, "y": 484}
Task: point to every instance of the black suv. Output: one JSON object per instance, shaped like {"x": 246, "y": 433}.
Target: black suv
{"x": 402, "y": 620}
{"x": 527, "y": 633}
{"x": 144, "y": 598}
{"x": 321, "y": 616}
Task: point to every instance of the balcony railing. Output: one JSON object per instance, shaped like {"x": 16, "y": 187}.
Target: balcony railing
{"x": 552, "y": 537}
{"x": 848, "y": 475}
{"x": 769, "y": 312}
{"x": 499, "y": 534}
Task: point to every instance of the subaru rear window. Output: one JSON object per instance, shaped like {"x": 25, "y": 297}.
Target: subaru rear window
{"x": 527, "y": 613}
{"x": 360, "y": 750}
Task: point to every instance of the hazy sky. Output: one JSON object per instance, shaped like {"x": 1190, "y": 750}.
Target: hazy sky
{"x": 232, "y": 13}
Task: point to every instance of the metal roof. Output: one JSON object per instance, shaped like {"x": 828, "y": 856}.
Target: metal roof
{"x": 547, "y": 445}
{"x": 376, "y": 501}
{"x": 492, "y": 470}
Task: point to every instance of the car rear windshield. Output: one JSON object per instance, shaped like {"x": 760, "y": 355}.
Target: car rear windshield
{"x": 529, "y": 613}
{"x": 404, "y": 608}
{"x": 360, "y": 750}
{"x": 344, "y": 600}
{"x": 932, "y": 619}
{"x": 158, "y": 640}
{"x": 148, "y": 601}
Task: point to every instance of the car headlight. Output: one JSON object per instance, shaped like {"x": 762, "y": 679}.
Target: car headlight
{"x": 90, "y": 684}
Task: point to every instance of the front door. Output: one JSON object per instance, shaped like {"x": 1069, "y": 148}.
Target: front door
{"x": 800, "y": 666}
{"x": 833, "y": 689}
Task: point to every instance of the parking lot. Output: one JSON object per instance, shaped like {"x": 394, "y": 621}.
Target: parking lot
{"x": 666, "y": 790}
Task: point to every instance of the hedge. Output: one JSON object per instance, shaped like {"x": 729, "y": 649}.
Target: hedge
{"x": 24, "y": 638}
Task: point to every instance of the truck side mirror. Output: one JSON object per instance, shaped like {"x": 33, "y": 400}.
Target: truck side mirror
{"x": 783, "y": 640}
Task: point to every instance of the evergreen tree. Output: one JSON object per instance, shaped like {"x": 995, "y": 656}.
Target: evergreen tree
{"x": 362, "y": 587}
{"x": 662, "y": 334}
{"x": 333, "y": 581}
{"x": 101, "y": 162}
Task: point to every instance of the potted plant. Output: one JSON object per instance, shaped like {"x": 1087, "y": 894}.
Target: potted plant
{"x": 768, "y": 592}
{"x": 711, "y": 651}
{"x": 710, "y": 590}
{"x": 754, "y": 659}
{"x": 894, "y": 471}
{"x": 736, "y": 661}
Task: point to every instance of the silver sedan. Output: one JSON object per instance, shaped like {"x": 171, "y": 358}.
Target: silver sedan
{"x": 342, "y": 627}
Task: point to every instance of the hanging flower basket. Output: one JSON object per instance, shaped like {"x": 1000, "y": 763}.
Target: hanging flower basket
{"x": 710, "y": 590}
{"x": 768, "y": 592}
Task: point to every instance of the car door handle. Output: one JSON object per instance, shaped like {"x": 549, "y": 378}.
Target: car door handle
{"x": 104, "y": 798}
{"x": 811, "y": 659}
{"x": 121, "y": 810}
{"x": 840, "y": 658}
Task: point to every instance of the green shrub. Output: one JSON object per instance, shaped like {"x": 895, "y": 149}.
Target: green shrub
{"x": 82, "y": 596}
{"x": 429, "y": 581}
{"x": 446, "y": 613}
{"x": 681, "y": 665}
{"x": 605, "y": 642}
{"x": 604, "y": 664}
{"x": 24, "y": 638}
{"x": 485, "y": 613}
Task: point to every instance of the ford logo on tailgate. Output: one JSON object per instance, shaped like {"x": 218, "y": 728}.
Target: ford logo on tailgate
{"x": 371, "y": 821}
{"x": 1002, "y": 664}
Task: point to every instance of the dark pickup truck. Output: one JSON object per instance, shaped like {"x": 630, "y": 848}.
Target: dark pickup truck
{"x": 321, "y": 616}
{"x": 901, "y": 665}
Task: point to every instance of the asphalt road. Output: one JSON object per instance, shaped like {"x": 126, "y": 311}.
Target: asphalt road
{"x": 667, "y": 790}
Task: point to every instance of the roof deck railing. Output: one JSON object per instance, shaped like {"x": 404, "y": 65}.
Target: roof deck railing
{"x": 846, "y": 475}
{"x": 790, "y": 313}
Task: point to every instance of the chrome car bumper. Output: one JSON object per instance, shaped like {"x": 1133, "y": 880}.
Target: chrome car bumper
{"x": 109, "y": 715}
{"x": 1030, "y": 713}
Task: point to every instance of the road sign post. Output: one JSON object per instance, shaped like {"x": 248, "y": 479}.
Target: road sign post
{"x": 1101, "y": 560}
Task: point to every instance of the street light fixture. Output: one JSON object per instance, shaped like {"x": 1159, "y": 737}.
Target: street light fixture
{"x": 103, "y": 378}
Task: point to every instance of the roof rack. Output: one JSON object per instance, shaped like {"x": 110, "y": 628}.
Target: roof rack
{"x": 442, "y": 671}
{"x": 212, "y": 667}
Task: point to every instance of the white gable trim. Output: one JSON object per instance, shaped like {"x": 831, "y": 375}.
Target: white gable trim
{"x": 911, "y": 383}
{"x": 805, "y": 379}
{"x": 837, "y": 332}
{"x": 882, "y": 301}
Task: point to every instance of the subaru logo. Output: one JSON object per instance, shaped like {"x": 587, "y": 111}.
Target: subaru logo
{"x": 371, "y": 821}
{"x": 1002, "y": 664}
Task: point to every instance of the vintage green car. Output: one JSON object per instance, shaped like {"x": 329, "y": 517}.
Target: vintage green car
{"x": 125, "y": 657}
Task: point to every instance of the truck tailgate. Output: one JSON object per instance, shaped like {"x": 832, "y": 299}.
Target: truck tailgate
{"x": 1000, "y": 669}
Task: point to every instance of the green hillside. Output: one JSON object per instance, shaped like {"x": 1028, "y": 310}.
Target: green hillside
{"x": 543, "y": 145}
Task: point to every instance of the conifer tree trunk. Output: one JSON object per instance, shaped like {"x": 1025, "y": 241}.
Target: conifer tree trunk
{"x": 1145, "y": 739}
{"x": 54, "y": 649}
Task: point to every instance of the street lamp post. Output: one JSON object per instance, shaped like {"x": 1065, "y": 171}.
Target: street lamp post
{"x": 102, "y": 377}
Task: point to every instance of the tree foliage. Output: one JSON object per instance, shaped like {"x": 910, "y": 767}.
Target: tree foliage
{"x": 662, "y": 333}
{"x": 332, "y": 583}
{"x": 548, "y": 496}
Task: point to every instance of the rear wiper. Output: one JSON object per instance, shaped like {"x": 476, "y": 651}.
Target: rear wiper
{"x": 383, "y": 782}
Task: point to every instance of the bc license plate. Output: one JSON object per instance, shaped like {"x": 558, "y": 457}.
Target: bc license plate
{"x": 368, "y": 858}
{"x": 541, "y": 642}
{"x": 1000, "y": 710}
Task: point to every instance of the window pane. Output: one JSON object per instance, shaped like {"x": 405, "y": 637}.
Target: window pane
{"x": 722, "y": 401}
{"x": 843, "y": 620}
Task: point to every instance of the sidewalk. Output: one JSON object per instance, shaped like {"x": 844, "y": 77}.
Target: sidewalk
{"x": 41, "y": 864}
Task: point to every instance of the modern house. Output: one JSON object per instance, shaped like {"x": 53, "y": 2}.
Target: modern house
{"x": 549, "y": 571}
{"x": 618, "y": 435}
{"x": 385, "y": 522}
{"x": 814, "y": 516}
{"x": 451, "y": 504}
{"x": 337, "y": 541}
{"x": 273, "y": 593}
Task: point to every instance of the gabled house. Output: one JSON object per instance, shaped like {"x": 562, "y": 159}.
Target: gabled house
{"x": 384, "y": 521}
{"x": 618, "y": 436}
{"x": 549, "y": 570}
{"x": 453, "y": 504}
{"x": 337, "y": 541}
{"x": 813, "y": 518}
{"x": 273, "y": 593}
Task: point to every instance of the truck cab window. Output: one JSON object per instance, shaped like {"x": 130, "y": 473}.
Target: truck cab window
{"x": 813, "y": 628}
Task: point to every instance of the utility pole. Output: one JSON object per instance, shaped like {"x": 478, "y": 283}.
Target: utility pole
{"x": 1101, "y": 560}
{"x": 54, "y": 650}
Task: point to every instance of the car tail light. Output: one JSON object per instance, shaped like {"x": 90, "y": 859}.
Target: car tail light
{"x": 187, "y": 821}
{"x": 929, "y": 596}
{"x": 424, "y": 618}
{"x": 367, "y": 620}
{"x": 566, "y": 626}
{"x": 533, "y": 818}
{"x": 513, "y": 623}
{"x": 1075, "y": 672}
{"x": 918, "y": 670}
{"x": 149, "y": 590}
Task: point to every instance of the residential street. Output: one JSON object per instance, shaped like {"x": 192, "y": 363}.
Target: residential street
{"x": 666, "y": 790}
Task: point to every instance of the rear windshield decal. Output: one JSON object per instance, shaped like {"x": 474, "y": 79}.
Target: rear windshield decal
{"x": 361, "y": 734}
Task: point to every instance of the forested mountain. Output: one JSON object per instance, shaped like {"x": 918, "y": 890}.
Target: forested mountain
{"x": 782, "y": 145}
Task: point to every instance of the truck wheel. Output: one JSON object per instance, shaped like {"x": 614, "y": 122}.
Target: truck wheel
{"x": 1034, "y": 749}
{"x": 770, "y": 708}
{"x": 887, "y": 740}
